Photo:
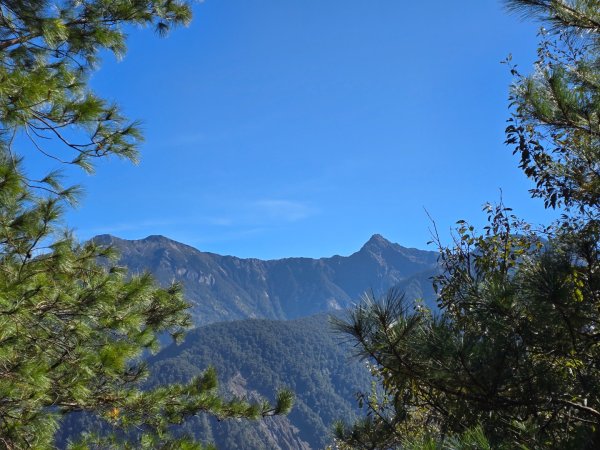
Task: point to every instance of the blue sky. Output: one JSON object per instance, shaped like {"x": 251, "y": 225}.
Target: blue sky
{"x": 300, "y": 128}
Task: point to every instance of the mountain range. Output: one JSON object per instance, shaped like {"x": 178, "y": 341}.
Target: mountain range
{"x": 222, "y": 288}
{"x": 265, "y": 325}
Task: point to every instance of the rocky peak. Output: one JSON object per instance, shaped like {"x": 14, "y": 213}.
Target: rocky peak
{"x": 158, "y": 238}
{"x": 376, "y": 244}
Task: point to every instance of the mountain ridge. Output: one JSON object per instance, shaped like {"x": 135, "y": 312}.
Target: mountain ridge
{"x": 225, "y": 287}
{"x": 376, "y": 240}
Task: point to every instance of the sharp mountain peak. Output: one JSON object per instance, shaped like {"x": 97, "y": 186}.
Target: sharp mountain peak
{"x": 377, "y": 240}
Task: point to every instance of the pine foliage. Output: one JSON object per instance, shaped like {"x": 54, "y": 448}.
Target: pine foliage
{"x": 555, "y": 127}
{"x": 47, "y": 51}
{"x": 74, "y": 327}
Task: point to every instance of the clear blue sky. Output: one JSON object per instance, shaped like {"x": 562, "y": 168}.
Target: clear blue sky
{"x": 300, "y": 128}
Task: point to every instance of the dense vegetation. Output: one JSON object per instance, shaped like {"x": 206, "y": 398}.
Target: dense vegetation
{"x": 252, "y": 357}
{"x": 72, "y": 332}
{"x": 302, "y": 355}
{"x": 512, "y": 359}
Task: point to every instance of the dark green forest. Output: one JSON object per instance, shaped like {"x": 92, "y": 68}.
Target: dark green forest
{"x": 253, "y": 357}
{"x": 302, "y": 355}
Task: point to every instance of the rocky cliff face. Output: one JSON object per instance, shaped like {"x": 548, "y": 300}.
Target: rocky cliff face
{"x": 228, "y": 288}
{"x": 275, "y": 432}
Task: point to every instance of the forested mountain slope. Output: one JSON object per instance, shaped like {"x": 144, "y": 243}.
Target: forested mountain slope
{"x": 256, "y": 357}
{"x": 229, "y": 288}
{"x": 253, "y": 358}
